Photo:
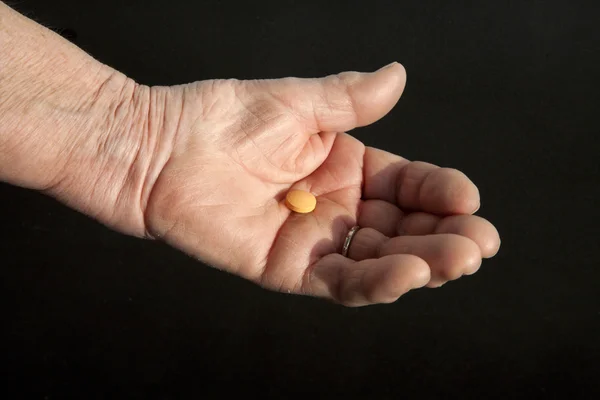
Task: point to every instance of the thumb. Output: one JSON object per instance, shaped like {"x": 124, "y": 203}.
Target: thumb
{"x": 341, "y": 102}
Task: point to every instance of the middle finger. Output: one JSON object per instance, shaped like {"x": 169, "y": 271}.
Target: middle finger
{"x": 391, "y": 221}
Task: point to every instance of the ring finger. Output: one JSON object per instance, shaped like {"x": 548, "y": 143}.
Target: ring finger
{"x": 391, "y": 221}
{"x": 449, "y": 256}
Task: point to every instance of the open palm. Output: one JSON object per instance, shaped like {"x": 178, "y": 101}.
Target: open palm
{"x": 239, "y": 146}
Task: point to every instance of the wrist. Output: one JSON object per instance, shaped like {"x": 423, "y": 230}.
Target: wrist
{"x": 116, "y": 157}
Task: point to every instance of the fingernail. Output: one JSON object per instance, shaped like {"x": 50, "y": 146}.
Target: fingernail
{"x": 390, "y": 65}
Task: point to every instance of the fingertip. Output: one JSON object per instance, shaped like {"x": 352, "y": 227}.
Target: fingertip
{"x": 473, "y": 263}
{"x": 395, "y": 73}
{"x": 473, "y": 200}
{"x": 397, "y": 68}
{"x": 389, "y": 66}
{"x": 476, "y": 228}
{"x": 436, "y": 283}
{"x": 493, "y": 250}
{"x": 448, "y": 190}
{"x": 376, "y": 94}
{"x": 458, "y": 256}
{"x": 421, "y": 273}
{"x": 472, "y": 259}
{"x": 491, "y": 244}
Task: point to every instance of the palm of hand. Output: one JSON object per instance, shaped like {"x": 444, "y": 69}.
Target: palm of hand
{"x": 227, "y": 202}
{"x": 240, "y": 147}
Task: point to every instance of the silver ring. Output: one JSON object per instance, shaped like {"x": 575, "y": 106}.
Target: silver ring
{"x": 348, "y": 240}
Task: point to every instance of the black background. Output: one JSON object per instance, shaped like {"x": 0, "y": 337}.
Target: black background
{"x": 507, "y": 91}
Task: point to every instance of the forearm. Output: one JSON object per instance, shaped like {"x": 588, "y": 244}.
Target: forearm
{"x": 47, "y": 89}
{"x": 70, "y": 125}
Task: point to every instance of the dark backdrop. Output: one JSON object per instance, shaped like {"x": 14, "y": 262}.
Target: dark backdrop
{"x": 507, "y": 91}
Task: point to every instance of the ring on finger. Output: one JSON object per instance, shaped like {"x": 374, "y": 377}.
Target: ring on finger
{"x": 348, "y": 240}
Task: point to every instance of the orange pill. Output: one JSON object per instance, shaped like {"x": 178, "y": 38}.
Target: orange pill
{"x": 300, "y": 201}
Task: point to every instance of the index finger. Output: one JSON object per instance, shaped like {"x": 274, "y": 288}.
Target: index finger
{"x": 416, "y": 185}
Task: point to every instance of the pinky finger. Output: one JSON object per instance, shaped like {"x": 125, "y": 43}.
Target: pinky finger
{"x": 371, "y": 281}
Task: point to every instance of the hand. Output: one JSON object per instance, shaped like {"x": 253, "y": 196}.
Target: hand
{"x": 239, "y": 146}
{"x": 206, "y": 166}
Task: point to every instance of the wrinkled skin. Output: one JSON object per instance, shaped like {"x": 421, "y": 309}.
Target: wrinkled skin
{"x": 239, "y": 146}
{"x": 205, "y": 167}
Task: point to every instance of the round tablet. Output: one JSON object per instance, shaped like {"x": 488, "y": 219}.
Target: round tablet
{"x": 300, "y": 201}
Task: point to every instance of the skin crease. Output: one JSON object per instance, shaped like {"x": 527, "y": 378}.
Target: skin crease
{"x": 220, "y": 195}
{"x": 206, "y": 166}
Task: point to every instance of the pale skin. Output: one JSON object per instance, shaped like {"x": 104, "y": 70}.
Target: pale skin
{"x": 205, "y": 167}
